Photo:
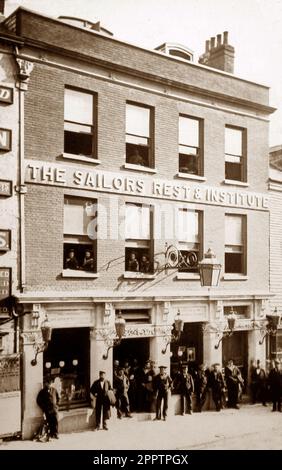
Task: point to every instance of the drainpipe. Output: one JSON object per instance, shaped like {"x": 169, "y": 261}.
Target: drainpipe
{"x": 23, "y": 75}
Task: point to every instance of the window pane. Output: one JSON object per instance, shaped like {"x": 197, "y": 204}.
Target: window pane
{"x": 188, "y": 226}
{"x": 233, "y": 141}
{"x": 188, "y": 131}
{"x": 233, "y": 230}
{"x": 137, "y": 120}
{"x": 233, "y": 263}
{"x": 78, "y": 106}
{"x": 137, "y": 222}
{"x": 76, "y": 219}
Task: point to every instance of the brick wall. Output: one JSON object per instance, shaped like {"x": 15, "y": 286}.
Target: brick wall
{"x": 58, "y": 34}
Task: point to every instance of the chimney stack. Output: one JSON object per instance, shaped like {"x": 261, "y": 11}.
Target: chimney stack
{"x": 220, "y": 55}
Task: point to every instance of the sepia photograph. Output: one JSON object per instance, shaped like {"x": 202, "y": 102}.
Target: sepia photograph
{"x": 140, "y": 229}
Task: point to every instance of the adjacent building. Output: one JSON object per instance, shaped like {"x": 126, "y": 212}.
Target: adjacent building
{"x": 136, "y": 162}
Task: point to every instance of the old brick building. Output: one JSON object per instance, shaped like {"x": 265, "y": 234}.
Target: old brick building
{"x": 136, "y": 162}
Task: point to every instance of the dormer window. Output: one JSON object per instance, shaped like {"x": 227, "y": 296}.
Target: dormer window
{"x": 176, "y": 50}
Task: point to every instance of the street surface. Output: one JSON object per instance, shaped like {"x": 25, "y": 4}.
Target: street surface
{"x": 253, "y": 427}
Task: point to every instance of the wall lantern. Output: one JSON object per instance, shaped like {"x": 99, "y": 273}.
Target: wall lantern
{"x": 46, "y": 331}
{"x": 120, "y": 331}
{"x": 231, "y": 320}
{"x": 209, "y": 269}
{"x": 178, "y": 328}
{"x": 271, "y": 327}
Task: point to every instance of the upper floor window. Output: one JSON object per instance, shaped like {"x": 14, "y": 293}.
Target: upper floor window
{"x": 139, "y": 148}
{"x": 80, "y": 248}
{"x": 138, "y": 238}
{"x": 235, "y": 244}
{"x": 190, "y": 146}
{"x": 189, "y": 224}
{"x": 234, "y": 154}
{"x": 79, "y": 123}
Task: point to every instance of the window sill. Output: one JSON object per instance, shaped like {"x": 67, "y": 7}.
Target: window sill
{"x": 236, "y": 183}
{"x": 188, "y": 276}
{"x": 134, "y": 275}
{"x": 80, "y": 158}
{"x": 77, "y": 273}
{"x": 187, "y": 176}
{"x": 235, "y": 277}
{"x": 146, "y": 169}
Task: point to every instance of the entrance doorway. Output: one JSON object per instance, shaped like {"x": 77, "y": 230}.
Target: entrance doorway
{"x": 189, "y": 349}
{"x": 236, "y": 347}
{"x": 130, "y": 349}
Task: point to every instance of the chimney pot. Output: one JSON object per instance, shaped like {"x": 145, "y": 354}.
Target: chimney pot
{"x": 225, "y": 37}
{"x": 207, "y": 45}
{"x": 218, "y": 36}
{"x": 212, "y": 42}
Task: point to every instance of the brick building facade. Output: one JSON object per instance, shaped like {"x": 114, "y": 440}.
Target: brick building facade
{"x": 131, "y": 154}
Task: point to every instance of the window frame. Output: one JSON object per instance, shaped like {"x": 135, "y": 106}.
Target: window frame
{"x": 94, "y": 125}
{"x": 141, "y": 244}
{"x": 243, "y": 156}
{"x": 151, "y": 138}
{"x": 243, "y": 250}
{"x": 80, "y": 240}
{"x": 181, "y": 243}
{"x": 200, "y": 150}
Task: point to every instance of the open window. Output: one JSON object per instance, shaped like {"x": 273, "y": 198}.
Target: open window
{"x": 80, "y": 122}
{"x": 189, "y": 224}
{"x": 138, "y": 238}
{"x": 235, "y": 154}
{"x": 235, "y": 244}
{"x": 190, "y": 146}
{"x": 139, "y": 147}
{"x": 80, "y": 241}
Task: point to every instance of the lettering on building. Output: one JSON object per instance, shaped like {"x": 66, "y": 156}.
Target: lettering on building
{"x": 102, "y": 181}
{"x": 5, "y": 283}
{"x": 5, "y": 139}
{"x": 5, "y": 188}
{"x": 5, "y": 240}
{"x": 6, "y": 95}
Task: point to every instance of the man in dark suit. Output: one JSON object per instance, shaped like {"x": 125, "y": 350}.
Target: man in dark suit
{"x": 275, "y": 383}
{"x": 47, "y": 400}
{"x": 184, "y": 384}
{"x": 161, "y": 385}
{"x": 216, "y": 383}
{"x": 99, "y": 389}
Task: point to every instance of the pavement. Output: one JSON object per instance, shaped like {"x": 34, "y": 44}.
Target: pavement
{"x": 253, "y": 427}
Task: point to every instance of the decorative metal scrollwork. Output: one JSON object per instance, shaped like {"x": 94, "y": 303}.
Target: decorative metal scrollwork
{"x": 177, "y": 259}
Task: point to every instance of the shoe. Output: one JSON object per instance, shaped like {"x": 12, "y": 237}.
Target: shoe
{"x": 182, "y": 414}
{"x": 119, "y": 417}
{"x": 164, "y": 418}
{"x": 157, "y": 419}
{"x": 128, "y": 416}
{"x": 56, "y": 436}
{"x": 237, "y": 407}
{"x": 97, "y": 428}
{"x": 105, "y": 428}
{"x": 264, "y": 404}
{"x": 189, "y": 412}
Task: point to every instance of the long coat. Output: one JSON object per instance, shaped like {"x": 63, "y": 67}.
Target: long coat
{"x": 101, "y": 394}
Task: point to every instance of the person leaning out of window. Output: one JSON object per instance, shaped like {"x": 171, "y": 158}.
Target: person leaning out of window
{"x": 88, "y": 262}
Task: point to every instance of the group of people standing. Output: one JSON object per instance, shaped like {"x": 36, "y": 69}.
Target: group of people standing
{"x": 144, "y": 389}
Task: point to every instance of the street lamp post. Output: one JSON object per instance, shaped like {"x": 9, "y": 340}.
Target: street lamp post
{"x": 120, "y": 331}
{"x": 178, "y": 328}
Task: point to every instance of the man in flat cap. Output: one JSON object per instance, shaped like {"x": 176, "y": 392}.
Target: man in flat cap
{"x": 162, "y": 385}
{"x": 99, "y": 389}
{"x": 217, "y": 385}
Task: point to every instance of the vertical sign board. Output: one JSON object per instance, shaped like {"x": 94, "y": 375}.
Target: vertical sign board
{"x": 5, "y": 283}
{"x": 5, "y": 240}
{"x": 5, "y": 188}
{"x": 6, "y": 95}
{"x": 5, "y": 139}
